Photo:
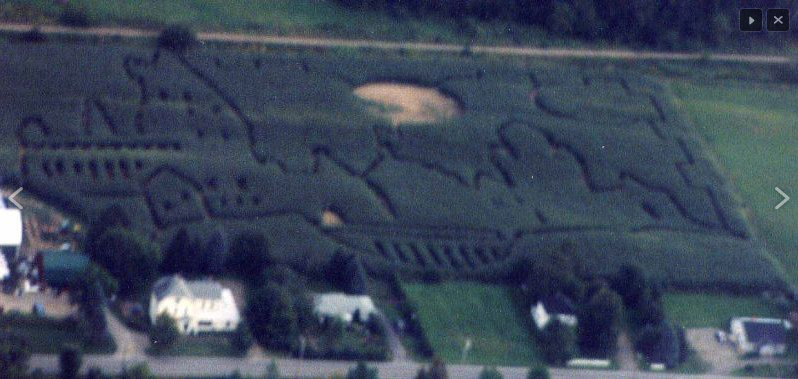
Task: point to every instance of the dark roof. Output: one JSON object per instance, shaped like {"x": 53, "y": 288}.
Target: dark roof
{"x": 559, "y": 304}
{"x": 62, "y": 268}
{"x": 765, "y": 332}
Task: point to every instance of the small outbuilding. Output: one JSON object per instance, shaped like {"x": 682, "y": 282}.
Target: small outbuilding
{"x": 557, "y": 306}
{"x": 762, "y": 336}
{"x": 60, "y": 268}
{"x": 347, "y": 308}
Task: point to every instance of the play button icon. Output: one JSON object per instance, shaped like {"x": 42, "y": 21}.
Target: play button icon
{"x": 751, "y": 20}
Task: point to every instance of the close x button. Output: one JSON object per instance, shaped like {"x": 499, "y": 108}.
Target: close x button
{"x": 751, "y": 20}
{"x": 778, "y": 20}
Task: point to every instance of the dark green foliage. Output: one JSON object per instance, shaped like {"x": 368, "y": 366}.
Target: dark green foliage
{"x": 346, "y": 271}
{"x": 242, "y": 338}
{"x": 558, "y": 343}
{"x": 249, "y": 255}
{"x": 76, "y": 16}
{"x": 272, "y": 317}
{"x": 436, "y": 370}
{"x": 70, "y": 360}
{"x": 95, "y": 373}
{"x": 90, "y": 295}
{"x": 490, "y": 373}
{"x": 538, "y": 372}
{"x": 34, "y": 35}
{"x": 630, "y": 283}
{"x": 362, "y": 371}
{"x": 177, "y": 38}
{"x": 130, "y": 258}
{"x": 164, "y": 334}
{"x": 14, "y": 356}
{"x": 111, "y": 217}
{"x": 599, "y": 321}
{"x": 660, "y": 343}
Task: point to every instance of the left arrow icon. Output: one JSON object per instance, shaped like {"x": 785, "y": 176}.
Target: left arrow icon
{"x": 11, "y": 198}
{"x": 784, "y": 195}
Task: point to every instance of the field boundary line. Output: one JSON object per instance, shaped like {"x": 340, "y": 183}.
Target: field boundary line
{"x": 314, "y": 42}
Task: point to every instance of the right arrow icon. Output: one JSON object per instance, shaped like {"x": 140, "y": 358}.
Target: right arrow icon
{"x": 784, "y": 195}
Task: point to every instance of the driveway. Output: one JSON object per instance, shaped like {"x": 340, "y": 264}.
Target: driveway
{"x": 54, "y": 306}
{"x": 129, "y": 343}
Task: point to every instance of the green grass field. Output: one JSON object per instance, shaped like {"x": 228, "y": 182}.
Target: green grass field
{"x": 693, "y": 310}
{"x": 752, "y": 128}
{"x": 200, "y": 346}
{"x": 286, "y": 17}
{"x": 454, "y": 311}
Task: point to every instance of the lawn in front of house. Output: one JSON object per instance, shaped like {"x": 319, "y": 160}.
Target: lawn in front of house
{"x": 702, "y": 310}
{"x": 452, "y": 312}
{"x": 205, "y": 345}
{"x": 48, "y": 335}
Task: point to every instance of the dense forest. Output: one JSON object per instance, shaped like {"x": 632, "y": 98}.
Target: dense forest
{"x": 665, "y": 24}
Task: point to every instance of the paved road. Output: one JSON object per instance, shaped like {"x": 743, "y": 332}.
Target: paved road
{"x": 124, "y": 32}
{"x": 181, "y": 367}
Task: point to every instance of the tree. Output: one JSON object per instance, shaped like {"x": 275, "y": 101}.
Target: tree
{"x": 92, "y": 307}
{"x": 362, "y": 371}
{"x": 213, "y": 253}
{"x": 272, "y": 317}
{"x": 14, "y": 356}
{"x": 241, "y": 339}
{"x": 138, "y": 371}
{"x": 164, "y": 333}
{"x": 249, "y": 256}
{"x": 598, "y": 323}
{"x": 558, "y": 343}
{"x": 130, "y": 258}
{"x": 272, "y": 372}
{"x": 490, "y": 373}
{"x": 182, "y": 254}
{"x": 538, "y": 372}
{"x": 94, "y": 373}
{"x": 70, "y": 360}
{"x": 112, "y": 217}
{"x": 177, "y": 38}
{"x": 631, "y": 284}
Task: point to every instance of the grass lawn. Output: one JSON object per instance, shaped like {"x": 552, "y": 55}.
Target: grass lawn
{"x": 453, "y": 311}
{"x": 201, "y": 346}
{"x": 48, "y": 336}
{"x": 767, "y": 370}
{"x": 693, "y": 310}
{"x": 752, "y": 129}
{"x": 288, "y": 17}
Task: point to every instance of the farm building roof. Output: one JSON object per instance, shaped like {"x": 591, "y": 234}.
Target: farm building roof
{"x": 10, "y": 226}
{"x": 765, "y": 331}
{"x": 176, "y": 286}
{"x": 62, "y": 268}
{"x": 559, "y": 304}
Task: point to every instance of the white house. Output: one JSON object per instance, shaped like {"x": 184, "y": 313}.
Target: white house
{"x": 10, "y": 230}
{"x": 763, "y": 336}
{"x": 344, "y": 307}
{"x": 558, "y": 306}
{"x": 197, "y": 306}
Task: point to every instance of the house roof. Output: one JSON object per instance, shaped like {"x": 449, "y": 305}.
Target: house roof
{"x": 10, "y": 225}
{"x": 61, "y": 268}
{"x": 765, "y": 331}
{"x": 176, "y": 286}
{"x": 558, "y": 304}
{"x": 340, "y": 304}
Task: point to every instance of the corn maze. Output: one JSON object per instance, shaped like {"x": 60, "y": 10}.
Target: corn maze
{"x": 540, "y": 154}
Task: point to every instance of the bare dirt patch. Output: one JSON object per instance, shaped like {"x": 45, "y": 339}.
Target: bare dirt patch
{"x": 407, "y": 103}
{"x": 330, "y": 218}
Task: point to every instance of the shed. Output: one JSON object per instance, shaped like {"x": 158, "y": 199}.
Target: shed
{"x": 61, "y": 268}
{"x": 348, "y": 308}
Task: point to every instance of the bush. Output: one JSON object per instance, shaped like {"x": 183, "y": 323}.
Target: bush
{"x": 129, "y": 257}
{"x": 241, "y": 339}
{"x": 75, "y": 16}
{"x": 33, "y": 36}
{"x": 558, "y": 343}
{"x": 70, "y": 360}
{"x": 272, "y": 317}
{"x": 538, "y": 372}
{"x": 490, "y": 373}
{"x": 249, "y": 256}
{"x": 14, "y": 356}
{"x": 599, "y": 323}
{"x": 164, "y": 334}
{"x": 178, "y": 38}
{"x": 361, "y": 371}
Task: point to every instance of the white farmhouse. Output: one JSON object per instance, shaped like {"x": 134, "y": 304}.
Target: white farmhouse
{"x": 345, "y": 307}
{"x": 197, "y": 306}
{"x": 10, "y": 230}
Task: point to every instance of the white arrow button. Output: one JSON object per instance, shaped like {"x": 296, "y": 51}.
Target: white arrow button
{"x": 784, "y": 195}
{"x": 11, "y": 198}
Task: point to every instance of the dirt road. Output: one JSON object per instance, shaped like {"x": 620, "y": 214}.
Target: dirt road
{"x": 124, "y": 32}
